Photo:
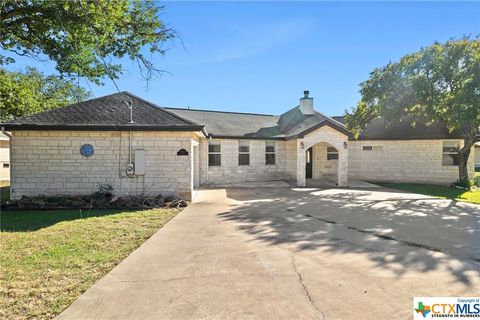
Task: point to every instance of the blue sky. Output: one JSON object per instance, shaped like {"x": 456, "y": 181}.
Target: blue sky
{"x": 260, "y": 56}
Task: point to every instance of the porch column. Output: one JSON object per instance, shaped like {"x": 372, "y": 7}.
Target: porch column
{"x": 343, "y": 165}
{"x": 301, "y": 179}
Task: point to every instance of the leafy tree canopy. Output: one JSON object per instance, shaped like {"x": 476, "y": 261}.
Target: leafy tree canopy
{"x": 440, "y": 83}
{"x": 79, "y": 34}
{"x": 25, "y": 93}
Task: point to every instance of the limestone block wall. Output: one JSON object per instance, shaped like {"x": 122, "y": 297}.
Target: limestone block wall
{"x": 4, "y": 158}
{"x": 402, "y": 161}
{"x": 230, "y": 172}
{"x": 50, "y": 163}
{"x": 322, "y": 166}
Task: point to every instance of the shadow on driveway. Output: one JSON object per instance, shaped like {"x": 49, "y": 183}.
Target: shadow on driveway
{"x": 385, "y": 226}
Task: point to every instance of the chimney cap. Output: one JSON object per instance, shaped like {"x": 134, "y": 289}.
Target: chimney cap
{"x": 306, "y": 93}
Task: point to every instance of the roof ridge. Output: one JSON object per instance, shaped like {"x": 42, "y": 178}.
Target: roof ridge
{"x": 330, "y": 118}
{"x": 217, "y": 111}
{"x": 153, "y": 105}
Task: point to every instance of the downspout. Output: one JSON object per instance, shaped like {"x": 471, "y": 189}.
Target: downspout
{"x": 129, "y": 146}
{"x": 9, "y": 156}
{"x": 206, "y": 162}
{"x": 120, "y": 156}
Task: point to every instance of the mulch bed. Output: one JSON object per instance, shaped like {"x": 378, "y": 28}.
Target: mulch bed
{"x": 98, "y": 200}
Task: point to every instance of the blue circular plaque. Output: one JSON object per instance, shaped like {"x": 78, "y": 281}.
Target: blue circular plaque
{"x": 86, "y": 150}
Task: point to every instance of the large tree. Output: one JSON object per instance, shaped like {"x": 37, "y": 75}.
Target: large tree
{"x": 440, "y": 83}
{"x": 25, "y": 93}
{"x": 83, "y": 36}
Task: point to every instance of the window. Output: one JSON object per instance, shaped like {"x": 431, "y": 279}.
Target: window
{"x": 6, "y": 165}
{"x": 243, "y": 153}
{"x": 450, "y": 153}
{"x": 332, "y": 153}
{"x": 269, "y": 152}
{"x": 372, "y": 148}
{"x": 214, "y": 153}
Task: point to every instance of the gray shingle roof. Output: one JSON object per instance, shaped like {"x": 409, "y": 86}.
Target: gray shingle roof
{"x": 261, "y": 126}
{"x": 403, "y": 130}
{"x": 295, "y": 124}
{"x": 108, "y": 112}
{"x": 233, "y": 124}
{"x": 111, "y": 113}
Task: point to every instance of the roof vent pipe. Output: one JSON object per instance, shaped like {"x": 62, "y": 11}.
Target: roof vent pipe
{"x": 129, "y": 105}
{"x": 306, "y": 103}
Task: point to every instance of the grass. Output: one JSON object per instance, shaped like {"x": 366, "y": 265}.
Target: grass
{"x": 49, "y": 258}
{"x": 437, "y": 191}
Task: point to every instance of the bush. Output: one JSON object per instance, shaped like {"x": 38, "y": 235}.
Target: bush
{"x": 476, "y": 181}
{"x": 464, "y": 183}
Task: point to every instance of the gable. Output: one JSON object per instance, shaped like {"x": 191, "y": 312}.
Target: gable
{"x": 109, "y": 112}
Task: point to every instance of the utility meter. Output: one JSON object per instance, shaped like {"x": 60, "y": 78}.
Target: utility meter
{"x": 131, "y": 169}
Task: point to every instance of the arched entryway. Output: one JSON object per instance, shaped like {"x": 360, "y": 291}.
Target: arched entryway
{"x": 321, "y": 165}
{"x": 322, "y": 156}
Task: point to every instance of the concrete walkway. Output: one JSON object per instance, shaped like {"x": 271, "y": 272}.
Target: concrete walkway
{"x": 280, "y": 253}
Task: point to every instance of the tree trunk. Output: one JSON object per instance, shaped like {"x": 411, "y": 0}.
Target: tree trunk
{"x": 464, "y": 154}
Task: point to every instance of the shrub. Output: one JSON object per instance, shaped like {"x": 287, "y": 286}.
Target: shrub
{"x": 464, "y": 183}
{"x": 476, "y": 181}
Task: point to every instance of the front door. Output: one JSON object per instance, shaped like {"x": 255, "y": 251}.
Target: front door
{"x": 309, "y": 162}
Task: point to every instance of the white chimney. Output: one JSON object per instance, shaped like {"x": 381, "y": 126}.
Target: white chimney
{"x": 306, "y": 104}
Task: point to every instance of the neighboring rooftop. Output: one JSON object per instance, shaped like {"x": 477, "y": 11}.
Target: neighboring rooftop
{"x": 108, "y": 112}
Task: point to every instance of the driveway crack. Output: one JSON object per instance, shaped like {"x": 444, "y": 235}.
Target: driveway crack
{"x": 305, "y": 290}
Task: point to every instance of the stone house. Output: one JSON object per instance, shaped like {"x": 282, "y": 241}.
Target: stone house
{"x": 138, "y": 147}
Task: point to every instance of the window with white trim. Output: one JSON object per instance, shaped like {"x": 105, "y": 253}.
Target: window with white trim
{"x": 450, "y": 153}
{"x": 270, "y": 148}
{"x": 214, "y": 153}
{"x": 243, "y": 153}
{"x": 332, "y": 153}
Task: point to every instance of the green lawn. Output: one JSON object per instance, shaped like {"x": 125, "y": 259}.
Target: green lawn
{"x": 436, "y": 191}
{"x": 48, "y": 258}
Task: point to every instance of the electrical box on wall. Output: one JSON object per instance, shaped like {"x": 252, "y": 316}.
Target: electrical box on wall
{"x": 131, "y": 169}
{"x": 139, "y": 162}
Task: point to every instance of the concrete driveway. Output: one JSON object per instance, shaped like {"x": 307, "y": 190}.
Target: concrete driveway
{"x": 281, "y": 253}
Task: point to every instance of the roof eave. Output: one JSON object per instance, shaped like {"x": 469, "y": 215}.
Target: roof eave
{"x": 106, "y": 127}
{"x": 214, "y": 136}
{"x": 436, "y": 137}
